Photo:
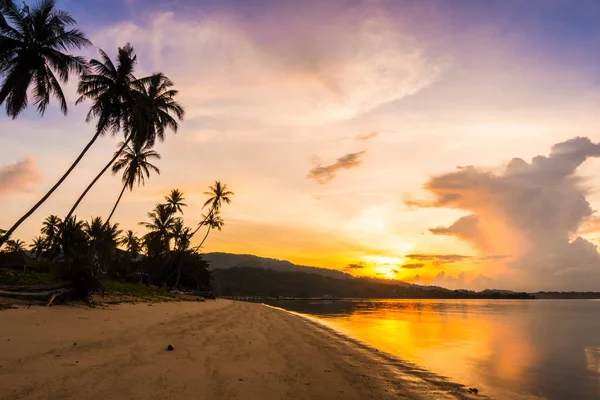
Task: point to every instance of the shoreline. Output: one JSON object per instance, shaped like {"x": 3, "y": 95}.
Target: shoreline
{"x": 223, "y": 350}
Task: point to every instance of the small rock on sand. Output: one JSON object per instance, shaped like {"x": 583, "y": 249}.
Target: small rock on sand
{"x": 170, "y": 347}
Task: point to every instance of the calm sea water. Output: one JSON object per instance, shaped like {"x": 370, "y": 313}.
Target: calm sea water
{"x": 509, "y": 349}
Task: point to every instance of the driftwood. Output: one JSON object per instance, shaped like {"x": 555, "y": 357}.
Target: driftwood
{"x": 36, "y": 288}
{"x": 47, "y": 295}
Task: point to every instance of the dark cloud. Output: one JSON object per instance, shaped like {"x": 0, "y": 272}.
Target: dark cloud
{"x": 354, "y": 266}
{"x": 367, "y": 136}
{"x": 438, "y": 258}
{"x": 18, "y": 177}
{"x": 413, "y": 266}
{"x": 323, "y": 174}
{"x": 531, "y": 212}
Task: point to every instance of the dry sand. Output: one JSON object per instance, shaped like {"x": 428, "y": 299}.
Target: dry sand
{"x": 223, "y": 350}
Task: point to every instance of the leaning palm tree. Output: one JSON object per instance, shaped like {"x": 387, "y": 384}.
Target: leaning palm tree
{"x": 38, "y": 246}
{"x": 34, "y": 58}
{"x": 218, "y": 195}
{"x": 147, "y": 117}
{"x": 175, "y": 201}
{"x": 137, "y": 167}
{"x": 213, "y": 221}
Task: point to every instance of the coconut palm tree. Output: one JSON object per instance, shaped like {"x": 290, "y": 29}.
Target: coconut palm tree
{"x": 183, "y": 237}
{"x": 32, "y": 45}
{"x": 38, "y": 246}
{"x": 103, "y": 240}
{"x": 218, "y": 195}
{"x": 175, "y": 201}
{"x": 15, "y": 246}
{"x": 50, "y": 227}
{"x": 137, "y": 167}
{"x": 4, "y": 6}
{"x": 213, "y": 221}
{"x": 148, "y": 116}
{"x": 161, "y": 225}
{"x": 33, "y": 57}
{"x": 131, "y": 243}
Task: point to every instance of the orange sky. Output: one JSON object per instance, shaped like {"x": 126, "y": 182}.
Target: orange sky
{"x": 410, "y": 98}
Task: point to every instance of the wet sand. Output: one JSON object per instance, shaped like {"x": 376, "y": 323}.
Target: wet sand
{"x": 223, "y": 350}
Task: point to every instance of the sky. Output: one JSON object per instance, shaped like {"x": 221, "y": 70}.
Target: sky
{"x": 436, "y": 142}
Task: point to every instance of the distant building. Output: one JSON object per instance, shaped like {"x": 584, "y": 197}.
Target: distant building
{"x": 18, "y": 261}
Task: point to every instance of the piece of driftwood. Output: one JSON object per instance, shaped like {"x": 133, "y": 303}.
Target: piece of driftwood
{"x": 36, "y": 288}
{"x": 35, "y": 295}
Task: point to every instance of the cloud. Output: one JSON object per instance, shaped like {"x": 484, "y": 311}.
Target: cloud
{"x": 354, "y": 266}
{"x": 323, "y": 174}
{"x": 532, "y": 211}
{"x": 438, "y": 259}
{"x": 342, "y": 64}
{"x": 413, "y": 266}
{"x": 367, "y": 136}
{"x": 19, "y": 177}
{"x": 448, "y": 281}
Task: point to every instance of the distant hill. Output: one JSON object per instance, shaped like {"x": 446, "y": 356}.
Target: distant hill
{"x": 228, "y": 260}
{"x": 268, "y": 283}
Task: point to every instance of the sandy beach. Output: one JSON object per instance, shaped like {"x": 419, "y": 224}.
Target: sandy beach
{"x": 223, "y": 350}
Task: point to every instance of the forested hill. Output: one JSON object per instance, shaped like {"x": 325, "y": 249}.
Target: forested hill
{"x": 262, "y": 282}
{"x": 228, "y": 260}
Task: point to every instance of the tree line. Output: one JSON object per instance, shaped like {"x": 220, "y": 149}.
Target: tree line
{"x": 36, "y": 45}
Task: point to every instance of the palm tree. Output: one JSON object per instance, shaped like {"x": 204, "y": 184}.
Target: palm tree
{"x": 50, "y": 227}
{"x": 38, "y": 246}
{"x": 147, "y": 117}
{"x": 74, "y": 241}
{"x": 15, "y": 246}
{"x": 175, "y": 200}
{"x": 218, "y": 195}
{"x": 161, "y": 225}
{"x": 104, "y": 240}
{"x": 4, "y": 235}
{"x": 4, "y": 6}
{"x": 131, "y": 243}
{"x": 213, "y": 221}
{"x": 135, "y": 163}
{"x": 32, "y": 45}
{"x": 183, "y": 237}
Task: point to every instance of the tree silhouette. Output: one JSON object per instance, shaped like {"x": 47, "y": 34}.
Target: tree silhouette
{"x": 31, "y": 57}
{"x": 175, "y": 200}
{"x": 31, "y": 45}
{"x": 148, "y": 117}
{"x": 15, "y": 246}
{"x": 136, "y": 165}
{"x": 38, "y": 246}
{"x": 218, "y": 195}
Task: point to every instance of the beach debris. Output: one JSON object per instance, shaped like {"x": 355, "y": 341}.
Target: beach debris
{"x": 241, "y": 380}
{"x": 473, "y": 390}
{"x": 74, "y": 343}
{"x": 170, "y": 347}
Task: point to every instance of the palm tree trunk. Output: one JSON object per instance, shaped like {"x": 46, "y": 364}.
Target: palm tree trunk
{"x": 93, "y": 183}
{"x": 179, "y": 268}
{"x": 202, "y": 242}
{"x": 39, "y": 203}
{"x": 115, "y": 207}
{"x": 201, "y": 223}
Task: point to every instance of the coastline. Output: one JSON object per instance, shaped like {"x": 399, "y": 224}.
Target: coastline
{"x": 223, "y": 350}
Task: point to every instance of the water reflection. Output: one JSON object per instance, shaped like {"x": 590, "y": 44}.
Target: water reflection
{"x": 510, "y": 348}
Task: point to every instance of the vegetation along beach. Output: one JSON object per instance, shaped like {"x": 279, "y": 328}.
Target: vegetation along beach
{"x": 299, "y": 199}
